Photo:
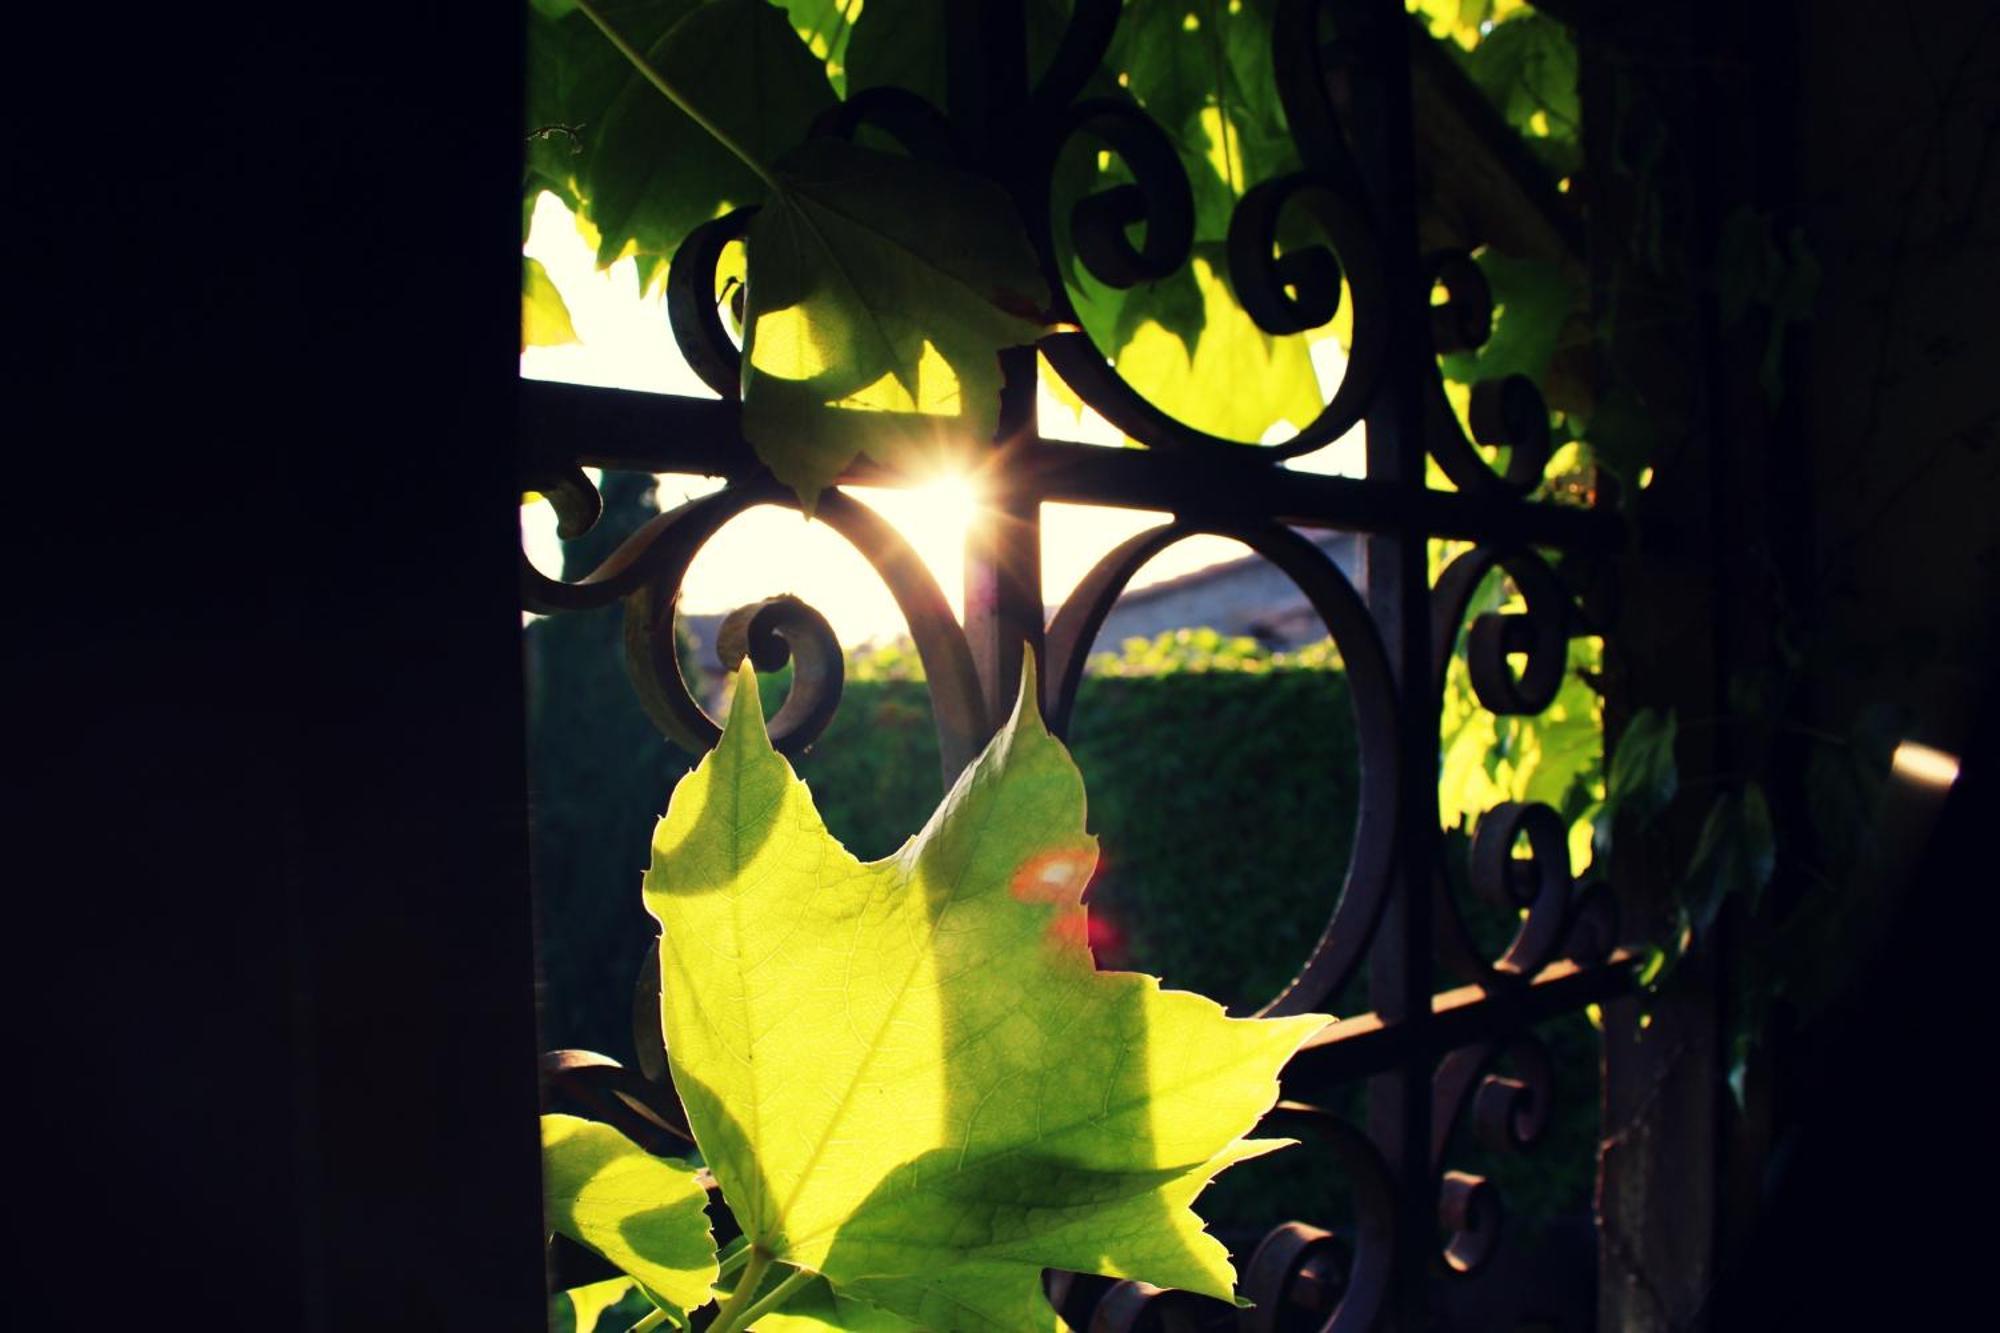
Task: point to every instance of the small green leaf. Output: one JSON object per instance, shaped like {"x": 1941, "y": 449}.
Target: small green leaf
{"x": 1643, "y": 777}
{"x": 644, "y": 1214}
{"x": 907, "y": 1074}
{"x": 1527, "y": 67}
{"x": 1655, "y": 963}
{"x": 580, "y": 1309}
{"x": 882, "y": 290}
{"x": 544, "y": 316}
{"x": 1735, "y": 855}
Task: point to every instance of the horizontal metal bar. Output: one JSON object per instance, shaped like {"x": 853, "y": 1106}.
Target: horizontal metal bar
{"x": 1355, "y": 1047}
{"x": 650, "y": 432}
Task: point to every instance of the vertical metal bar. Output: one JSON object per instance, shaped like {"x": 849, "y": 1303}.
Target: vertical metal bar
{"x": 1396, "y": 584}
{"x": 987, "y": 61}
{"x": 1003, "y": 583}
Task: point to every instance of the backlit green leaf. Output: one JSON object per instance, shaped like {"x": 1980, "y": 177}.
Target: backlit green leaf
{"x": 1177, "y": 304}
{"x": 1527, "y": 67}
{"x": 581, "y": 1309}
{"x": 544, "y": 317}
{"x": 825, "y": 26}
{"x": 1202, "y": 71}
{"x": 907, "y": 1074}
{"x": 573, "y": 75}
{"x": 642, "y": 1213}
{"x": 881, "y": 292}
{"x": 899, "y": 42}
{"x": 1240, "y": 380}
{"x": 652, "y": 174}
{"x": 819, "y": 1309}
{"x": 1553, "y": 757}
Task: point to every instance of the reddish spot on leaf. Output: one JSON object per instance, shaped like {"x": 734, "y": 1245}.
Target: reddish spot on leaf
{"x": 1053, "y": 877}
{"x": 1081, "y": 936}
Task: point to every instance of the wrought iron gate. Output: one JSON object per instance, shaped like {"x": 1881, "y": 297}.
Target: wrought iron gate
{"x": 1431, "y": 1057}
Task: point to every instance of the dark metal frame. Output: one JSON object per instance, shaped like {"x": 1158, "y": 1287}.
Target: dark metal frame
{"x": 1431, "y": 1057}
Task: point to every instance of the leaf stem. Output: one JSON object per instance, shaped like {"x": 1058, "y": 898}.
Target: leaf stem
{"x": 772, "y": 1300}
{"x": 673, "y": 95}
{"x": 730, "y": 1318}
{"x": 651, "y": 1321}
{"x": 733, "y": 1264}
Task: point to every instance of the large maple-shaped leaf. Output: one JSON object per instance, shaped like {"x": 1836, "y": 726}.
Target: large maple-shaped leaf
{"x": 881, "y": 291}
{"x": 819, "y": 1309}
{"x": 648, "y": 173}
{"x": 573, "y": 76}
{"x": 1240, "y": 380}
{"x": 907, "y": 1074}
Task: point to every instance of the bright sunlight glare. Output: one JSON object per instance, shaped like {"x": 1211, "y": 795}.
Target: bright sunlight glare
{"x": 624, "y": 342}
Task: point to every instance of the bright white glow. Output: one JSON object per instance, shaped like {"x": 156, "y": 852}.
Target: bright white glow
{"x": 1056, "y": 420}
{"x": 1076, "y": 537}
{"x": 947, "y": 504}
{"x": 1347, "y": 455}
{"x": 1921, "y": 764}
{"x": 626, "y": 343}
{"x": 770, "y": 550}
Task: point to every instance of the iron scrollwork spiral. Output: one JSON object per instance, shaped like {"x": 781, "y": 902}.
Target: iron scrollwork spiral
{"x": 1305, "y": 1278}
{"x": 1160, "y": 198}
{"x": 1351, "y": 921}
{"x": 1507, "y": 412}
{"x": 1538, "y": 886}
{"x": 1506, "y": 1111}
{"x": 1283, "y": 292}
{"x": 647, "y": 569}
{"x": 693, "y": 313}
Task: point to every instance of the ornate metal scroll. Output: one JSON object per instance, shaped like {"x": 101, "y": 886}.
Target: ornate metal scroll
{"x": 1432, "y": 1059}
{"x": 1352, "y": 913}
